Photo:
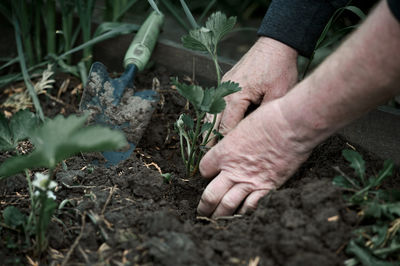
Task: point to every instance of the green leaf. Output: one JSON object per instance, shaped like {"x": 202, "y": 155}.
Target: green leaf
{"x": 380, "y": 234}
{"x": 356, "y": 162}
{"x": 226, "y": 88}
{"x": 365, "y": 256}
{"x": 59, "y": 138}
{"x": 213, "y": 100}
{"x": 120, "y": 27}
{"x": 220, "y": 25}
{"x": 21, "y": 125}
{"x": 198, "y": 40}
{"x": 13, "y": 217}
{"x": 188, "y": 121}
{"x": 341, "y": 181}
{"x": 217, "y": 106}
{"x": 193, "y": 93}
{"x": 206, "y": 38}
{"x": 387, "y": 171}
{"x": 205, "y": 127}
{"x": 357, "y": 11}
{"x": 6, "y": 142}
{"x": 377, "y": 210}
{"x": 17, "y": 129}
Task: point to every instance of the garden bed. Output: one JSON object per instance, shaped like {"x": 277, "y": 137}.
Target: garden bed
{"x": 128, "y": 214}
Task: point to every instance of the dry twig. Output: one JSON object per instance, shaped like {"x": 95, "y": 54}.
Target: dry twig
{"x": 76, "y": 242}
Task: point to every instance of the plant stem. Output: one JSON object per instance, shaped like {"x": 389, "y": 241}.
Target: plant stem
{"x": 199, "y": 116}
{"x": 215, "y": 59}
{"x": 182, "y": 148}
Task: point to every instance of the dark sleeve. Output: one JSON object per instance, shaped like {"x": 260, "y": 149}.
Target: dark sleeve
{"x": 394, "y": 6}
{"x": 298, "y": 23}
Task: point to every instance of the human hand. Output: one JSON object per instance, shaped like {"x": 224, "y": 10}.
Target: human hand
{"x": 259, "y": 155}
{"x": 266, "y": 72}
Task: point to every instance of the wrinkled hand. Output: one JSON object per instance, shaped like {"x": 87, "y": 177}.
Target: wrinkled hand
{"x": 266, "y": 72}
{"x": 259, "y": 155}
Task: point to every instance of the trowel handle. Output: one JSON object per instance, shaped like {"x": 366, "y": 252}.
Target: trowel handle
{"x": 140, "y": 50}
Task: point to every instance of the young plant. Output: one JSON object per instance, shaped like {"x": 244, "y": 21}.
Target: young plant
{"x": 362, "y": 186}
{"x": 54, "y": 140}
{"x": 377, "y": 241}
{"x": 208, "y": 100}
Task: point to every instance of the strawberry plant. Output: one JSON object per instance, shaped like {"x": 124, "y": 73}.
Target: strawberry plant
{"x": 204, "y": 100}
{"x": 54, "y": 140}
{"x": 377, "y": 241}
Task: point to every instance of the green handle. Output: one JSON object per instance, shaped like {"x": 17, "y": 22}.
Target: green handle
{"x": 140, "y": 50}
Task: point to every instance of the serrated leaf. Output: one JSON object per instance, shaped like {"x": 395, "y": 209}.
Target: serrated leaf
{"x": 220, "y": 25}
{"x": 356, "y": 162}
{"x": 17, "y": 129}
{"x": 21, "y": 125}
{"x": 59, "y": 138}
{"x": 198, "y": 40}
{"x": 13, "y": 217}
{"x": 193, "y": 93}
{"x": 226, "y": 88}
{"x": 188, "y": 121}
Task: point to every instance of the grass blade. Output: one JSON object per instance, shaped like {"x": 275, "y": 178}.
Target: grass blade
{"x": 25, "y": 74}
{"x": 171, "y": 8}
{"x": 125, "y": 9}
{"x": 9, "y": 63}
{"x": 207, "y": 9}
{"x": 154, "y": 6}
{"x": 189, "y": 15}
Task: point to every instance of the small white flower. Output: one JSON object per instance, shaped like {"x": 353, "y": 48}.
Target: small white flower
{"x": 41, "y": 180}
{"x": 51, "y": 195}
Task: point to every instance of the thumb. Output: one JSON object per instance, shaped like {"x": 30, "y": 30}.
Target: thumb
{"x": 209, "y": 164}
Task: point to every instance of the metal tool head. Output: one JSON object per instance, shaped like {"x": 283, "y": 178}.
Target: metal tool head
{"x": 110, "y": 104}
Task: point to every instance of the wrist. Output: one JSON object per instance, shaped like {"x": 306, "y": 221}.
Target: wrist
{"x": 304, "y": 116}
{"x": 269, "y": 45}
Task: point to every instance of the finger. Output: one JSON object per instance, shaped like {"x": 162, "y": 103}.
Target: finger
{"x": 233, "y": 113}
{"x": 213, "y": 194}
{"x": 231, "y": 200}
{"x": 250, "y": 204}
{"x": 209, "y": 164}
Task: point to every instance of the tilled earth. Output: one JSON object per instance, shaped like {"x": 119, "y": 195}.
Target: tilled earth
{"x": 129, "y": 215}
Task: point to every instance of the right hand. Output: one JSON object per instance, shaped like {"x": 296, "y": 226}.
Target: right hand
{"x": 257, "y": 156}
{"x": 266, "y": 72}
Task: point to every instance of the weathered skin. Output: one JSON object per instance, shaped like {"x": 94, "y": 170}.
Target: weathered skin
{"x": 266, "y": 147}
{"x": 266, "y": 72}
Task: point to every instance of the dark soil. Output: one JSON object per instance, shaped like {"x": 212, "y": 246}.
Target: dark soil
{"x": 128, "y": 214}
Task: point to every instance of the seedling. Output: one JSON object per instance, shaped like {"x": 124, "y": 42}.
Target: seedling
{"x": 208, "y": 100}
{"x": 54, "y": 140}
{"x": 377, "y": 242}
{"x": 363, "y": 187}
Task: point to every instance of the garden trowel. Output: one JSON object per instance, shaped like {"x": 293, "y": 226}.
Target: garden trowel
{"x": 106, "y": 99}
